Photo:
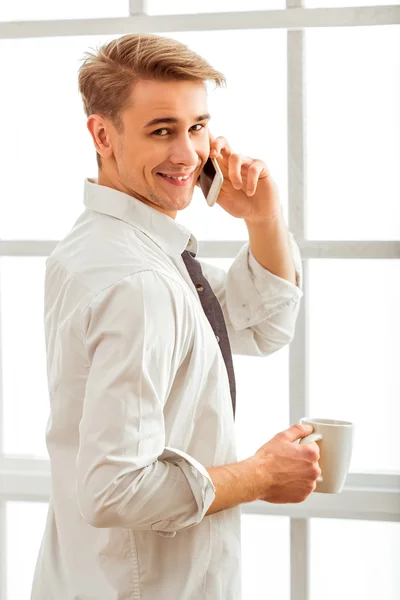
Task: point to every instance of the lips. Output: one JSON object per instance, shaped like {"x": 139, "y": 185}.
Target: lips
{"x": 180, "y": 179}
{"x": 176, "y": 177}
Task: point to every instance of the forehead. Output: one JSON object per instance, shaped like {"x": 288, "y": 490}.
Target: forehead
{"x": 183, "y": 99}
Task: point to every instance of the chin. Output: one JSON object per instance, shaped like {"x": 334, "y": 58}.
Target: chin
{"x": 179, "y": 205}
{"x": 174, "y": 200}
{"x": 187, "y": 201}
{"x": 170, "y": 204}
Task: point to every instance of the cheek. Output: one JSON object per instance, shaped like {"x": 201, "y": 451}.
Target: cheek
{"x": 129, "y": 151}
{"x": 137, "y": 162}
{"x": 204, "y": 151}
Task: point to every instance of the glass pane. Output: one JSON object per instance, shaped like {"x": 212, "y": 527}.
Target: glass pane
{"x": 262, "y": 387}
{"x": 25, "y": 523}
{"x": 63, "y": 145}
{"x": 262, "y": 390}
{"x": 354, "y": 559}
{"x": 176, "y": 7}
{"x": 47, "y": 148}
{"x": 26, "y": 10}
{"x": 338, "y": 3}
{"x": 250, "y": 113}
{"x": 353, "y": 131}
{"x": 265, "y": 557}
{"x": 26, "y": 398}
{"x": 355, "y": 354}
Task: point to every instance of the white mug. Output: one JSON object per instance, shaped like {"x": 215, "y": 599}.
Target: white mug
{"x": 335, "y": 439}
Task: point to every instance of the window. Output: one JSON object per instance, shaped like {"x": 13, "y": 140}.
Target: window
{"x": 354, "y": 559}
{"x": 25, "y": 10}
{"x": 315, "y": 93}
{"x": 22, "y": 549}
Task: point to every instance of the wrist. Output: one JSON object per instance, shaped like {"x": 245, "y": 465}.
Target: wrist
{"x": 255, "y": 478}
{"x": 262, "y": 479}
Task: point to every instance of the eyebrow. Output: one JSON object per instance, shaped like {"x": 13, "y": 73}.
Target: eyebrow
{"x": 174, "y": 121}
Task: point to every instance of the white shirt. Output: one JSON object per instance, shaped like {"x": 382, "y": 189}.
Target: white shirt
{"x": 141, "y": 406}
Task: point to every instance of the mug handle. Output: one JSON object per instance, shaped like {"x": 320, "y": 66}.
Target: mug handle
{"x": 313, "y": 437}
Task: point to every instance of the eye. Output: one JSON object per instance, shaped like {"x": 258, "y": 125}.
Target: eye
{"x": 201, "y": 126}
{"x": 161, "y": 132}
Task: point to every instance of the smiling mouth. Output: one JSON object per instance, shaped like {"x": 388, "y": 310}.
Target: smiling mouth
{"x": 179, "y": 180}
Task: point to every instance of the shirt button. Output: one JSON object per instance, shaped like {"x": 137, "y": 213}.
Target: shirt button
{"x": 217, "y": 338}
{"x": 199, "y": 288}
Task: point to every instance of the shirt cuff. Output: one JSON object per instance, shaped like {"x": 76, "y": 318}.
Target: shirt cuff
{"x": 202, "y": 488}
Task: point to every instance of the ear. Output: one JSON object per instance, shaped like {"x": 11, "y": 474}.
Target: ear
{"x": 100, "y": 130}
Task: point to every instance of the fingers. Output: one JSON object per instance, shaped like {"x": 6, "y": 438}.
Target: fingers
{"x": 310, "y": 451}
{"x": 218, "y": 146}
{"x": 297, "y": 432}
{"x": 253, "y": 173}
{"x": 235, "y": 168}
{"x": 243, "y": 171}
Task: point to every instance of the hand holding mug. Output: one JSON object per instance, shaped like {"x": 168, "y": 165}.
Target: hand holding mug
{"x": 335, "y": 440}
{"x": 287, "y": 472}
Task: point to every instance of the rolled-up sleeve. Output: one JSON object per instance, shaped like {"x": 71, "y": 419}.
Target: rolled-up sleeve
{"x": 135, "y": 334}
{"x": 260, "y": 308}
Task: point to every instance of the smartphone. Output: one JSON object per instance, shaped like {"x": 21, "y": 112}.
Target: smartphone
{"x": 211, "y": 180}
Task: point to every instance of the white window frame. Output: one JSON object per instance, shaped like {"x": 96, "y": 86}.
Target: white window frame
{"x": 370, "y": 496}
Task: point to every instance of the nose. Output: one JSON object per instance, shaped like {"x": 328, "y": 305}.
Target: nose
{"x": 183, "y": 152}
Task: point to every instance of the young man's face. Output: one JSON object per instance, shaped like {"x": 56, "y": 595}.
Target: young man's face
{"x": 165, "y": 136}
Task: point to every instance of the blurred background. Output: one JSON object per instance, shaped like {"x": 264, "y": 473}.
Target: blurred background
{"x": 314, "y": 90}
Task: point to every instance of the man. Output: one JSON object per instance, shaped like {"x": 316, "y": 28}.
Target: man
{"x": 146, "y": 487}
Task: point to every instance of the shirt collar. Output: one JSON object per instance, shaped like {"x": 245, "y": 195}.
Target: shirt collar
{"x": 172, "y": 237}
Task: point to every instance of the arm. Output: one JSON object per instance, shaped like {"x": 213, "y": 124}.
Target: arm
{"x": 235, "y": 484}
{"x": 270, "y": 245}
{"x": 126, "y": 476}
{"x": 260, "y": 307}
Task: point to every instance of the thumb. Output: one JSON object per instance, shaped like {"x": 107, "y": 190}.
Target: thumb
{"x": 298, "y": 431}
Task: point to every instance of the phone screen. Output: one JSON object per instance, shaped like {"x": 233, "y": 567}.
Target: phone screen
{"x": 206, "y": 177}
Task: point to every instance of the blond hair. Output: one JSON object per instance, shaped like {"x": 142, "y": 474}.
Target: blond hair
{"x": 106, "y": 78}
